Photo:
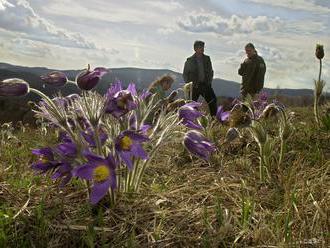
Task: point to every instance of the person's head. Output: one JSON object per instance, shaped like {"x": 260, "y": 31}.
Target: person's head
{"x": 250, "y": 50}
{"x": 199, "y": 47}
{"x": 164, "y": 81}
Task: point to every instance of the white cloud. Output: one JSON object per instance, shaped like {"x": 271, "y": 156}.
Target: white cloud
{"x": 165, "y": 6}
{"x": 318, "y": 6}
{"x": 210, "y": 22}
{"x": 5, "y": 4}
{"x": 18, "y": 16}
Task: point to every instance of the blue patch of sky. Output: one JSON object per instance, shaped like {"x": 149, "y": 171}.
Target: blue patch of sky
{"x": 247, "y": 8}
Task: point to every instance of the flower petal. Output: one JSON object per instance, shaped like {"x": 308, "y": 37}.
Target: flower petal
{"x": 127, "y": 159}
{"x": 99, "y": 190}
{"x": 84, "y": 172}
{"x": 138, "y": 151}
{"x": 92, "y": 157}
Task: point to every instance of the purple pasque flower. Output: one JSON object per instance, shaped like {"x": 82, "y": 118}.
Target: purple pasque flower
{"x": 145, "y": 94}
{"x": 61, "y": 168}
{"x": 46, "y": 160}
{"x": 64, "y": 172}
{"x": 198, "y": 145}
{"x": 128, "y": 145}
{"x": 263, "y": 96}
{"x": 188, "y": 114}
{"x": 222, "y": 115}
{"x": 146, "y": 129}
{"x": 87, "y": 79}
{"x": 67, "y": 150}
{"x": 120, "y": 103}
{"x": 55, "y": 78}
{"x": 89, "y": 136}
{"x": 132, "y": 88}
{"x": 59, "y": 101}
{"x": 133, "y": 125}
{"x": 102, "y": 171}
{"x": 64, "y": 137}
{"x": 13, "y": 87}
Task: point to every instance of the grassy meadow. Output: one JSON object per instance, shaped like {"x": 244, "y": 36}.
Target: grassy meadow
{"x": 183, "y": 201}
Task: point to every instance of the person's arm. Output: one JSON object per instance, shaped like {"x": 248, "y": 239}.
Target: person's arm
{"x": 211, "y": 71}
{"x": 242, "y": 69}
{"x": 186, "y": 71}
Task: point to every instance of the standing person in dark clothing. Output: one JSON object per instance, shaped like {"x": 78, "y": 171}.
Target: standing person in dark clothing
{"x": 253, "y": 71}
{"x": 198, "y": 69}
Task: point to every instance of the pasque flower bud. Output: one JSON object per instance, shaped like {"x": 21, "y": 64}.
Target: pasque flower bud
{"x": 88, "y": 79}
{"x": 55, "y": 78}
{"x": 13, "y": 87}
{"x": 319, "y": 52}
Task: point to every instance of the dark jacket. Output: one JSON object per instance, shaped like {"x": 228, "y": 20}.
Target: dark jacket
{"x": 253, "y": 72}
{"x": 190, "y": 71}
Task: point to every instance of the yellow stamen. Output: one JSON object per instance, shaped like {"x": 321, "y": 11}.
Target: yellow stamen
{"x": 43, "y": 159}
{"x": 125, "y": 143}
{"x": 101, "y": 173}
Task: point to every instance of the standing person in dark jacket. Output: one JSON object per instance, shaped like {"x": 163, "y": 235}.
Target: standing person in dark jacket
{"x": 198, "y": 69}
{"x": 253, "y": 71}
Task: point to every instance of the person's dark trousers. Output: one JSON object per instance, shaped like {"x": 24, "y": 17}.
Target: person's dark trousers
{"x": 207, "y": 92}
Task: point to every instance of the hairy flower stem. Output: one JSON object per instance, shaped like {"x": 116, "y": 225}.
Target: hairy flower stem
{"x": 317, "y": 96}
{"x": 54, "y": 107}
{"x": 320, "y": 71}
{"x": 97, "y": 140}
{"x": 88, "y": 186}
{"x": 261, "y": 165}
{"x": 281, "y": 152}
{"x": 112, "y": 198}
{"x": 144, "y": 166}
{"x": 134, "y": 175}
{"x": 316, "y": 111}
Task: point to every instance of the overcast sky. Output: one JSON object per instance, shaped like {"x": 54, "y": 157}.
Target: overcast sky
{"x": 66, "y": 34}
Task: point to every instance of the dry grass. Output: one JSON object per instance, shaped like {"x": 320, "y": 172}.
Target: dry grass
{"x": 184, "y": 202}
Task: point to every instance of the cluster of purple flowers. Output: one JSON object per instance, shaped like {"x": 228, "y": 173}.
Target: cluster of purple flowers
{"x": 100, "y": 134}
{"x": 87, "y": 143}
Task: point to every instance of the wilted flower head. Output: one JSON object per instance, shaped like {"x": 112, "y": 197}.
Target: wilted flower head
{"x": 187, "y": 89}
{"x": 173, "y": 94}
{"x": 88, "y": 79}
{"x": 239, "y": 117}
{"x": 55, "y": 78}
{"x": 72, "y": 97}
{"x": 319, "y": 52}
{"x": 128, "y": 145}
{"x": 232, "y": 134}
{"x": 270, "y": 111}
{"x": 222, "y": 115}
{"x": 198, "y": 145}
{"x": 258, "y": 132}
{"x": 13, "y": 87}
{"x": 175, "y": 105}
{"x": 101, "y": 171}
{"x": 189, "y": 114}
